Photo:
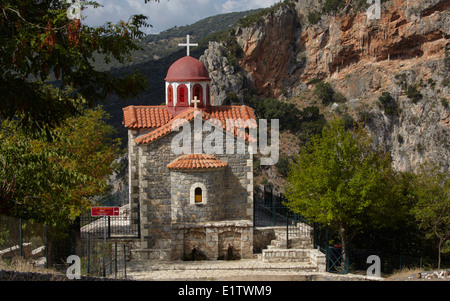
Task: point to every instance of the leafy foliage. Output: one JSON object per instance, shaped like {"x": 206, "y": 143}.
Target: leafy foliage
{"x": 432, "y": 208}
{"x": 339, "y": 180}
{"x": 324, "y": 91}
{"x": 53, "y": 181}
{"x": 250, "y": 20}
{"x": 388, "y": 104}
{"x": 39, "y": 43}
{"x": 287, "y": 113}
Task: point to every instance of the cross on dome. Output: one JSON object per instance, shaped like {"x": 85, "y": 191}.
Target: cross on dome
{"x": 188, "y": 45}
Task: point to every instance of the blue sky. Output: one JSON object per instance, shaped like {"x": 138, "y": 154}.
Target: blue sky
{"x": 167, "y": 13}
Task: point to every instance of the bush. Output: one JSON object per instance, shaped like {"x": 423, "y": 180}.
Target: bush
{"x": 413, "y": 94}
{"x": 283, "y": 165}
{"x": 333, "y": 5}
{"x": 388, "y": 104}
{"x": 314, "y": 17}
{"x": 288, "y": 114}
{"x": 324, "y": 92}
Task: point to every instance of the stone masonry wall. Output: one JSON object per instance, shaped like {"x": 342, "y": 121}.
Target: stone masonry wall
{"x": 211, "y": 210}
{"x": 152, "y": 181}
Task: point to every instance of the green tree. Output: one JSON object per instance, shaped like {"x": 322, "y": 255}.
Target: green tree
{"x": 339, "y": 180}
{"x": 54, "y": 181}
{"x": 432, "y": 207}
{"x": 324, "y": 92}
{"x": 39, "y": 44}
{"x": 287, "y": 113}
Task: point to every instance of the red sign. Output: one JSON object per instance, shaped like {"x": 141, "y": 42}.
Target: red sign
{"x": 105, "y": 211}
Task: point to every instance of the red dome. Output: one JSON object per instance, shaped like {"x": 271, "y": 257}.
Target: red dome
{"x": 187, "y": 69}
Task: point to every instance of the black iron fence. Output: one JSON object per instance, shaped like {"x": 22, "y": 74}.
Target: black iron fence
{"x": 124, "y": 225}
{"x": 269, "y": 210}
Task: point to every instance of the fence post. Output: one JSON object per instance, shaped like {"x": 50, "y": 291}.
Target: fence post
{"x": 20, "y": 237}
{"x": 115, "y": 259}
{"x": 109, "y": 227}
{"x": 124, "y": 262}
{"x": 46, "y": 246}
{"x": 287, "y": 230}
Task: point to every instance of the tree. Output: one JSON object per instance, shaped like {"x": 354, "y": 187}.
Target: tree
{"x": 432, "y": 207}
{"x": 339, "y": 180}
{"x": 324, "y": 92}
{"x": 39, "y": 44}
{"x": 54, "y": 181}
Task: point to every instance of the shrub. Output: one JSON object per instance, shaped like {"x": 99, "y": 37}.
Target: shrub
{"x": 288, "y": 114}
{"x": 333, "y": 5}
{"x": 413, "y": 94}
{"x": 283, "y": 165}
{"x": 314, "y": 17}
{"x": 324, "y": 92}
{"x": 388, "y": 104}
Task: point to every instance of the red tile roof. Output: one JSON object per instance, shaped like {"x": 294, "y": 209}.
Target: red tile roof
{"x": 144, "y": 117}
{"x": 159, "y": 119}
{"x": 196, "y": 161}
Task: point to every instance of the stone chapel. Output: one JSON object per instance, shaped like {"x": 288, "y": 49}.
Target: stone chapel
{"x": 189, "y": 201}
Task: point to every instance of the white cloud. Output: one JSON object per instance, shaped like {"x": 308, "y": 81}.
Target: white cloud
{"x": 167, "y": 13}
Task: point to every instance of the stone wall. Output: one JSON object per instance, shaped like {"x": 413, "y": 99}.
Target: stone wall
{"x": 183, "y": 211}
{"x": 213, "y": 239}
{"x": 164, "y": 194}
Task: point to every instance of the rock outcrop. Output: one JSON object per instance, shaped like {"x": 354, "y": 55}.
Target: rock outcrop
{"x": 402, "y": 53}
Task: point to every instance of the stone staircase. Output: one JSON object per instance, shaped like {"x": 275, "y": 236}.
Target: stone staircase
{"x": 298, "y": 248}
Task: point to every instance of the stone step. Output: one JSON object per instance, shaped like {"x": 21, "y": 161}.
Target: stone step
{"x": 286, "y": 255}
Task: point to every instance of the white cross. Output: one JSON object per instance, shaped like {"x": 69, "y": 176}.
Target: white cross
{"x": 188, "y": 45}
{"x": 195, "y": 102}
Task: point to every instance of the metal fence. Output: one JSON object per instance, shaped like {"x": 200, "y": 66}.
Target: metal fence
{"x": 269, "y": 210}
{"x": 102, "y": 243}
{"x": 104, "y": 258}
{"x": 19, "y": 237}
{"x": 124, "y": 225}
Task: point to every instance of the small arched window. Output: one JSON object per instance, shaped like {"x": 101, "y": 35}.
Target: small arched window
{"x": 198, "y": 92}
{"x": 198, "y": 195}
{"x": 170, "y": 96}
{"x": 182, "y": 96}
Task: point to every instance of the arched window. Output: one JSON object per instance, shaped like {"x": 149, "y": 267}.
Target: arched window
{"x": 170, "y": 96}
{"x": 198, "y": 91}
{"x": 182, "y": 94}
{"x": 198, "y": 194}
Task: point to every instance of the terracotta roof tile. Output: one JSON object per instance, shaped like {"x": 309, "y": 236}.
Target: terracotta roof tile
{"x": 196, "y": 161}
{"x": 145, "y": 117}
{"x": 160, "y": 119}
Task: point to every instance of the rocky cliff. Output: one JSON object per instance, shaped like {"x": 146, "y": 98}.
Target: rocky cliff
{"x": 404, "y": 53}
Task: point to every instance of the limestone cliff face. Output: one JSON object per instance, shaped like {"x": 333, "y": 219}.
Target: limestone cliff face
{"x": 360, "y": 58}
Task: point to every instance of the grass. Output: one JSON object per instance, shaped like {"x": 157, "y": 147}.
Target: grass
{"x": 402, "y": 274}
{"x": 20, "y": 264}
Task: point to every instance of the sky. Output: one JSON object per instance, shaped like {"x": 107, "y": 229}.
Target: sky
{"x": 167, "y": 13}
